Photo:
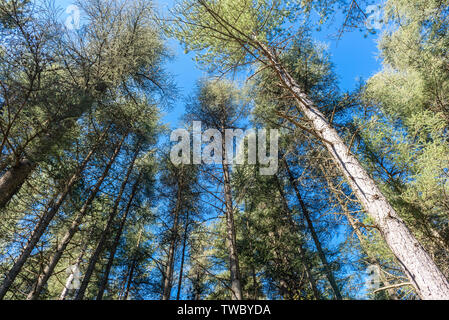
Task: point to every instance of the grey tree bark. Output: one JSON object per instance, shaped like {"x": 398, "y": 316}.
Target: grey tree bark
{"x": 13, "y": 179}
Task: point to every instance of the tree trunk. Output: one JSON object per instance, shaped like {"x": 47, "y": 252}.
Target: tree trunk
{"x": 316, "y": 240}
{"x": 422, "y": 271}
{"x": 12, "y": 180}
{"x": 105, "y": 233}
{"x": 104, "y": 280}
{"x": 197, "y": 287}
{"x": 184, "y": 243}
{"x": 234, "y": 268}
{"x": 168, "y": 279}
{"x": 43, "y": 223}
{"x": 301, "y": 251}
{"x": 133, "y": 266}
{"x": 251, "y": 249}
{"x": 48, "y": 270}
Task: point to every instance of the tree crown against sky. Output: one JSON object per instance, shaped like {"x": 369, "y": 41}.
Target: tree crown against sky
{"x": 87, "y": 183}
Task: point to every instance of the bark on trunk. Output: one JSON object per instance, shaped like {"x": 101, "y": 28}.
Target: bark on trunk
{"x": 12, "y": 180}
{"x": 251, "y": 248}
{"x": 43, "y": 223}
{"x": 105, "y": 233}
{"x": 104, "y": 280}
{"x": 316, "y": 240}
{"x": 422, "y": 271}
{"x": 197, "y": 287}
{"x": 49, "y": 268}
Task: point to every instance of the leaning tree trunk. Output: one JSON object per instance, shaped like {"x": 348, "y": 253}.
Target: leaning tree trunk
{"x": 422, "y": 271}
{"x": 104, "y": 235}
{"x": 43, "y": 223}
{"x": 184, "y": 244}
{"x": 49, "y": 268}
{"x": 71, "y": 277}
{"x": 316, "y": 240}
{"x": 294, "y": 227}
{"x": 13, "y": 179}
{"x": 104, "y": 280}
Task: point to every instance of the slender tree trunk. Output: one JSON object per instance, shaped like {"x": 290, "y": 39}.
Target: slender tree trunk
{"x": 417, "y": 264}
{"x": 168, "y": 279}
{"x": 122, "y": 287}
{"x": 234, "y": 268}
{"x": 67, "y": 285}
{"x": 197, "y": 287}
{"x": 45, "y": 220}
{"x": 49, "y": 268}
{"x": 104, "y": 280}
{"x": 132, "y": 268}
{"x": 251, "y": 248}
{"x": 301, "y": 251}
{"x": 130, "y": 278}
{"x": 104, "y": 235}
{"x": 280, "y": 262}
{"x": 316, "y": 240}
{"x": 184, "y": 243}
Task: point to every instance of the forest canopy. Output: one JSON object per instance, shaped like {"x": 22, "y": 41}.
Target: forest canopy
{"x": 354, "y": 205}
